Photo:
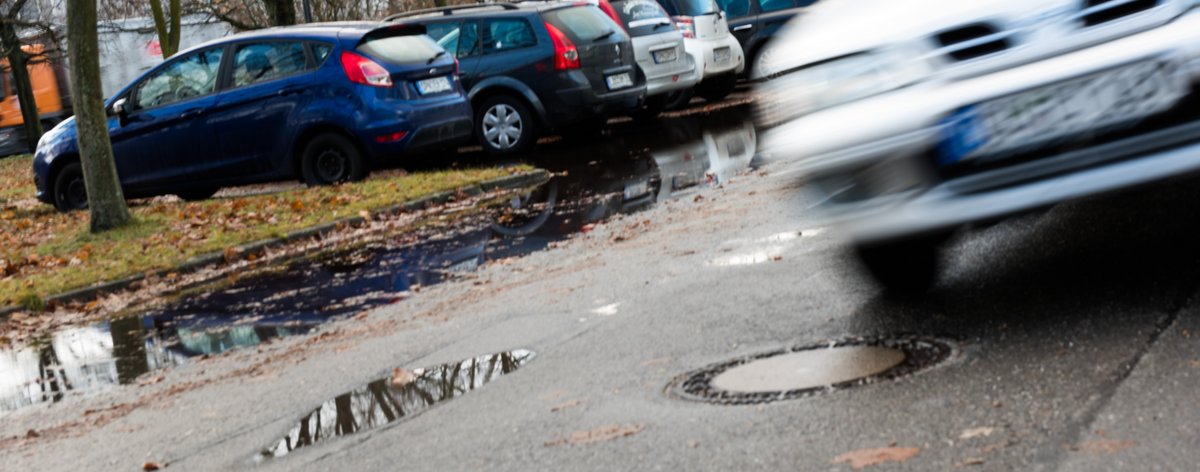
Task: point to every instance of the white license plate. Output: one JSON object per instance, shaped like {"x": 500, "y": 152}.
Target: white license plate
{"x": 1057, "y": 113}
{"x": 617, "y": 81}
{"x": 721, "y": 55}
{"x": 665, "y": 55}
{"x": 434, "y": 85}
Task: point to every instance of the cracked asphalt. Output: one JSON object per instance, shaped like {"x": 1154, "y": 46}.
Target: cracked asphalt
{"x": 1074, "y": 332}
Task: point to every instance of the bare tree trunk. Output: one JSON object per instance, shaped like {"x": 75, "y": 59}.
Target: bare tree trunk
{"x": 106, "y": 201}
{"x": 18, "y": 62}
{"x": 166, "y": 25}
{"x": 281, "y": 12}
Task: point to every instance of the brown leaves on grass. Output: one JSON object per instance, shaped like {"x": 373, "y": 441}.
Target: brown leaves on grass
{"x": 868, "y": 457}
{"x": 606, "y": 433}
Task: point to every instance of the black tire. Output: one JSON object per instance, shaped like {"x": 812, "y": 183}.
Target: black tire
{"x": 195, "y": 195}
{"x": 69, "y": 191}
{"x": 330, "y": 159}
{"x": 679, "y": 99}
{"x": 504, "y": 126}
{"x": 717, "y": 88}
{"x": 652, "y": 108}
{"x": 903, "y": 268}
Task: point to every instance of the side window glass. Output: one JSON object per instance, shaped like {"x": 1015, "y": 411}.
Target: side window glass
{"x": 506, "y": 34}
{"x": 259, "y": 62}
{"x": 736, "y": 8}
{"x": 446, "y": 35}
{"x": 320, "y": 52}
{"x": 468, "y": 42}
{"x": 805, "y": 3}
{"x": 189, "y": 77}
{"x": 775, "y": 5}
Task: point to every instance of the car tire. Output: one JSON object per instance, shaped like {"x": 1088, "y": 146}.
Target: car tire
{"x": 504, "y": 126}
{"x": 199, "y": 194}
{"x": 717, "y": 88}
{"x": 652, "y": 108}
{"x": 904, "y": 268}
{"x": 69, "y": 191}
{"x": 330, "y": 159}
{"x": 679, "y": 99}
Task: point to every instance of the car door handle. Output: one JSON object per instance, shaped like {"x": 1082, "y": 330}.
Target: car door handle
{"x": 742, "y": 27}
{"x": 289, "y": 91}
{"x": 190, "y": 113}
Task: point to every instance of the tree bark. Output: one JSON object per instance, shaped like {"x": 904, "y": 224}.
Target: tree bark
{"x": 19, "y": 63}
{"x": 166, "y": 25}
{"x": 281, "y": 12}
{"x": 106, "y": 201}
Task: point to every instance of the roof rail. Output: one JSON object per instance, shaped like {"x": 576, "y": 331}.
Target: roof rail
{"x": 449, "y": 10}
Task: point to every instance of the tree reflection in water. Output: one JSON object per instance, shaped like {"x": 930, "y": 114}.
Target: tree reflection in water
{"x": 381, "y": 402}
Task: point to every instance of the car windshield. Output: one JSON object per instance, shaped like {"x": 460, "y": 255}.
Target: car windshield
{"x": 401, "y": 49}
{"x": 690, "y": 7}
{"x": 643, "y": 17}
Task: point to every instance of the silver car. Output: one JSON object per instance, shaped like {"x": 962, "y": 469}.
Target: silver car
{"x": 659, "y": 49}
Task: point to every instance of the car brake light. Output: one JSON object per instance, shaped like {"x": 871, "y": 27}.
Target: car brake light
{"x": 456, "y": 67}
{"x": 611, "y": 12}
{"x": 565, "y": 54}
{"x": 364, "y": 71}
{"x": 686, "y": 25}
{"x": 391, "y": 137}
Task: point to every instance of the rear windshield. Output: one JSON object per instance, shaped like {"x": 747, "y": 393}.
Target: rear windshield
{"x": 582, "y": 24}
{"x": 689, "y": 7}
{"x": 401, "y": 50}
{"x": 643, "y": 17}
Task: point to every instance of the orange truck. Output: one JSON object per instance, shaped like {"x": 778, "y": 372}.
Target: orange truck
{"x": 49, "y": 90}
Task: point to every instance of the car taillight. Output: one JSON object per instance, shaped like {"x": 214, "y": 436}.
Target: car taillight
{"x": 686, "y": 25}
{"x": 565, "y": 54}
{"x": 611, "y": 12}
{"x": 364, "y": 71}
{"x": 456, "y": 67}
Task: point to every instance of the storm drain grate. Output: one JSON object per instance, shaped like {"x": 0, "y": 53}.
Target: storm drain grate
{"x": 751, "y": 379}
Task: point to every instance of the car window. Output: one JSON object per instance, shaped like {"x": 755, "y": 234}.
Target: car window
{"x": 445, "y": 35}
{"x": 775, "y": 5}
{"x": 192, "y": 76}
{"x": 261, "y": 62}
{"x": 506, "y": 34}
{"x": 689, "y": 7}
{"x": 582, "y": 24}
{"x": 642, "y": 17}
{"x": 320, "y": 52}
{"x": 805, "y": 3}
{"x": 401, "y": 49}
{"x": 735, "y": 8}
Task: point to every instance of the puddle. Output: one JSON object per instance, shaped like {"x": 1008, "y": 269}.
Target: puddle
{"x": 758, "y": 251}
{"x": 629, "y": 171}
{"x": 394, "y": 398}
{"x": 808, "y": 370}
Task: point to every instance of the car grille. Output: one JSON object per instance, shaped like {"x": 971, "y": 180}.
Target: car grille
{"x": 1098, "y": 12}
{"x": 972, "y": 41}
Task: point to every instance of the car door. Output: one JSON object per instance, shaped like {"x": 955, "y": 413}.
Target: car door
{"x": 269, "y": 81}
{"x": 772, "y": 15}
{"x": 460, "y": 38}
{"x": 742, "y": 16}
{"x": 161, "y": 137}
{"x": 509, "y": 48}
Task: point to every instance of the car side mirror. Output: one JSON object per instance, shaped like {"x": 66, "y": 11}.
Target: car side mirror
{"x": 119, "y": 109}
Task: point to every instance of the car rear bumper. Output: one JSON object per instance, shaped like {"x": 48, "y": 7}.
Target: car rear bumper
{"x": 580, "y": 103}
{"x": 446, "y": 122}
{"x": 702, "y": 51}
{"x": 670, "y": 81}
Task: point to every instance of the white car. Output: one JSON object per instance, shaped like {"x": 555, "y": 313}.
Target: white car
{"x": 718, "y": 55}
{"x": 910, "y": 118}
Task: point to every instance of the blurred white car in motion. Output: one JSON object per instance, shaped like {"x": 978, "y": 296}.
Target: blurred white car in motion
{"x": 910, "y": 118}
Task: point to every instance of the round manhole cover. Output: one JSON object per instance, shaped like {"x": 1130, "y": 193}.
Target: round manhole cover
{"x": 806, "y": 370}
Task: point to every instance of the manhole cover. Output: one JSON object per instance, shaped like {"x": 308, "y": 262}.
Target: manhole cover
{"x": 802, "y": 371}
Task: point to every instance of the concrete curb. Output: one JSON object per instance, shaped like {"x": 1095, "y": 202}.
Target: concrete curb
{"x": 511, "y": 182}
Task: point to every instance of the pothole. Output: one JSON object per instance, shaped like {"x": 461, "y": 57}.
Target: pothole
{"x": 802, "y": 371}
{"x": 394, "y": 398}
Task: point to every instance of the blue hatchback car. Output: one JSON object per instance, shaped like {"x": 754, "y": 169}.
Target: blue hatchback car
{"x": 322, "y": 103}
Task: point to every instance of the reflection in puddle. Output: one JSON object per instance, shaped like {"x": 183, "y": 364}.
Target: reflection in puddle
{"x": 758, "y": 251}
{"x": 594, "y": 182}
{"x": 390, "y": 399}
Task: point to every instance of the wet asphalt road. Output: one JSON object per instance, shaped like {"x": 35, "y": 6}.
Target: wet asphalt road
{"x": 1074, "y": 332}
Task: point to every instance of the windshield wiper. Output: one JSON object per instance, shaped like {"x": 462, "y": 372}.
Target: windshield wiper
{"x": 435, "y": 56}
{"x": 604, "y": 35}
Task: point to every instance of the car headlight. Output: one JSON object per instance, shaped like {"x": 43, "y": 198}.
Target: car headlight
{"x": 790, "y": 94}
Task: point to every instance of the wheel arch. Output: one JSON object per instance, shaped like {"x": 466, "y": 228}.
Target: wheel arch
{"x": 306, "y": 135}
{"x": 493, "y": 86}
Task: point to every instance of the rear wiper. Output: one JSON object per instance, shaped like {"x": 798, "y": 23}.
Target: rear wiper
{"x": 604, "y": 35}
{"x": 435, "y": 56}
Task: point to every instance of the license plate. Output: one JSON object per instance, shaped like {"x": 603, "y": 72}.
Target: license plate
{"x": 617, "y": 81}
{"x": 1057, "y": 113}
{"x": 434, "y": 85}
{"x": 721, "y": 55}
{"x": 665, "y": 55}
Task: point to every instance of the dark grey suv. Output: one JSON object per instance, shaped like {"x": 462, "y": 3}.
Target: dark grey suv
{"x": 536, "y": 66}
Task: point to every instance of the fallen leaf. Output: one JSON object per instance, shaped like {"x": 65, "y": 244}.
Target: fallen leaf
{"x": 1104, "y": 446}
{"x": 969, "y": 462}
{"x": 151, "y": 466}
{"x": 606, "y": 433}
{"x": 562, "y": 406}
{"x": 869, "y": 457}
{"x": 401, "y": 378}
{"x": 977, "y": 432}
